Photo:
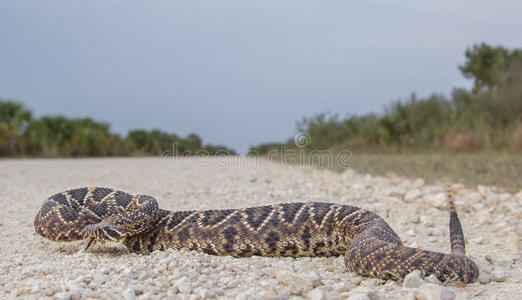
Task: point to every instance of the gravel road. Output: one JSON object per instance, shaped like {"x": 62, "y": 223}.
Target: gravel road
{"x": 32, "y": 267}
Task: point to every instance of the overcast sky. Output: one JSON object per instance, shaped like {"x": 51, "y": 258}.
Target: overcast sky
{"x": 240, "y": 72}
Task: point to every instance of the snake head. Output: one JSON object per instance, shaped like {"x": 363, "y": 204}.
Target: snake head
{"x": 102, "y": 232}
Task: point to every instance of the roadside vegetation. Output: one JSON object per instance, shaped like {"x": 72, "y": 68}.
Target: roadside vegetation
{"x": 501, "y": 169}
{"x": 473, "y": 136}
{"x": 487, "y": 118}
{"x": 21, "y": 135}
{"x": 488, "y": 168}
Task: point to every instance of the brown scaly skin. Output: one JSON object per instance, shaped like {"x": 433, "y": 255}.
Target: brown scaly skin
{"x": 370, "y": 246}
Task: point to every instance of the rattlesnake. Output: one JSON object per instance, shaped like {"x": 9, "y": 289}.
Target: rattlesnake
{"x": 369, "y": 244}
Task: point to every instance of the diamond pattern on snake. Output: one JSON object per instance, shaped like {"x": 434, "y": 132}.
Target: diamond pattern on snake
{"x": 368, "y": 243}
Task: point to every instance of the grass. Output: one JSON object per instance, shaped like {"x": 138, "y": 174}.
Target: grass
{"x": 500, "y": 169}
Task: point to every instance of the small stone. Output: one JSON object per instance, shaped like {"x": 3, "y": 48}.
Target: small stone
{"x": 484, "y": 278}
{"x": 418, "y": 182}
{"x": 498, "y": 274}
{"x": 391, "y": 284}
{"x": 216, "y": 292}
{"x": 316, "y": 294}
{"x": 436, "y": 200}
{"x": 375, "y": 295}
{"x": 432, "y": 279}
{"x": 356, "y": 280}
{"x": 412, "y": 195}
{"x": 314, "y": 279}
{"x": 184, "y": 285}
{"x": 358, "y": 186}
{"x": 172, "y": 265}
{"x": 128, "y": 294}
{"x": 483, "y": 217}
{"x": 62, "y": 296}
{"x": 372, "y": 282}
{"x": 76, "y": 294}
{"x": 296, "y": 284}
{"x": 413, "y": 280}
{"x": 232, "y": 283}
{"x": 483, "y": 190}
{"x": 485, "y": 264}
{"x": 512, "y": 242}
{"x": 204, "y": 294}
{"x": 405, "y": 294}
{"x": 237, "y": 268}
{"x": 35, "y": 284}
{"x": 359, "y": 297}
{"x": 430, "y": 291}
{"x": 414, "y": 219}
{"x": 249, "y": 294}
{"x": 138, "y": 290}
{"x": 478, "y": 240}
{"x": 131, "y": 274}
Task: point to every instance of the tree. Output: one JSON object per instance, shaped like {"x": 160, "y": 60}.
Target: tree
{"x": 92, "y": 138}
{"x": 14, "y": 118}
{"x": 192, "y": 143}
{"x": 482, "y": 62}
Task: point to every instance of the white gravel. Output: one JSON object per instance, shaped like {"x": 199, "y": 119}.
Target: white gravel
{"x": 32, "y": 267}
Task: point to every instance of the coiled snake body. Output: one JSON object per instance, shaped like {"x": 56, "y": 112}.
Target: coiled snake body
{"x": 370, "y": 246}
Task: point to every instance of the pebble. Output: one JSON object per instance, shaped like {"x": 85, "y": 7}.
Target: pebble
{"x": 413, "y": 280}
{"x": 372, "y": 282}
{"x": 478, "y": 240}
{"x": 498, "y": 274}
{"x": 62, "y": 296}
{"x": 316, "y": 294}
{"x": 137, "y": 289}
{"x": 513, "y": 242}
{"x": 184, "y": 285}
{"x": 359, "y": 297}
{"x": 415, "y": 219}
{"x": 484, "y": 278}
{"x": 483, "y": 217}
{"x": 129, "y": 294}
{"x": 436, "y": 200}
{"x": 430, "y": 291}
{"x": 412, "y": 195}
{"x": 418, "y": 182}
{"x": 432, "y": 279}
{"x": 313, "y": 278}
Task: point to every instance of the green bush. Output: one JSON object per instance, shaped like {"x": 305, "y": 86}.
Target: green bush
{"x": 14, "y": 118}
{"x": 59, "y": 136}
